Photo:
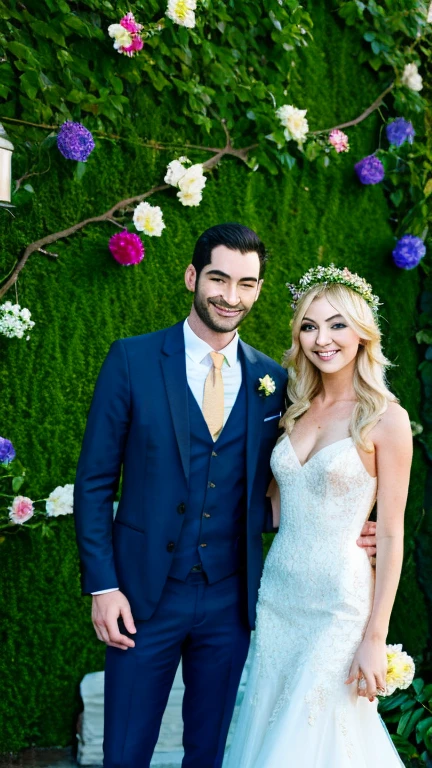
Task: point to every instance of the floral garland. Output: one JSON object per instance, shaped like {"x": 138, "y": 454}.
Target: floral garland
{"x": 22, "y": 509}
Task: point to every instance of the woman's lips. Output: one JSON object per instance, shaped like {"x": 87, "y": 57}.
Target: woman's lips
{"x": 326, "y": 356}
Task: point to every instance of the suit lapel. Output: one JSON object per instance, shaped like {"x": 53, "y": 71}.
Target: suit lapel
{"x": 255, "y": 412}
{"x": 173, "y": 362}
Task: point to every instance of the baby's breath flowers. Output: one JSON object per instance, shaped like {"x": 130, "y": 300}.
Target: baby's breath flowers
{"x": 294, "y": 121}
{"x": 148, "y": 219}
{"x": 15, "y": 321}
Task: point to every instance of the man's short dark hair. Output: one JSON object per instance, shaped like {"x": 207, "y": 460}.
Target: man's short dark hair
{"x": 234, "y": 236}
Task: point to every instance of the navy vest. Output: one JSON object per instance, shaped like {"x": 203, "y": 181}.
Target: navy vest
{"x": 214, "y": 528}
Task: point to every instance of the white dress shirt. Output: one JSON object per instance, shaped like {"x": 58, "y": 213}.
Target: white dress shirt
{"x": 198, "y": 365}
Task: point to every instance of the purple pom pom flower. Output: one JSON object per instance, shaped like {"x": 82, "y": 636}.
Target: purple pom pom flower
{"x": 74, "y": 141}
{"x": 370, "y": 170}
{"x": 127, "y": 248}
{"x": 7, "y": 451}
{"x": 409, "y": 252}
{"x": 400, "y": 131}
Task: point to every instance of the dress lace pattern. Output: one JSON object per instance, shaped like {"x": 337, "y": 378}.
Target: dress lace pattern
{"x": 314, "y": 604}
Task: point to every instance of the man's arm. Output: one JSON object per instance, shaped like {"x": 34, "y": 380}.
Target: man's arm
{"x": 99, "y": 469}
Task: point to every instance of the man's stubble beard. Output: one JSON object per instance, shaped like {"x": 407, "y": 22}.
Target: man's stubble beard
{"x": 202, "y": 310}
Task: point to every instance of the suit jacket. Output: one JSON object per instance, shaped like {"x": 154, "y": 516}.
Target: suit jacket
{"x": 138, "y": 426}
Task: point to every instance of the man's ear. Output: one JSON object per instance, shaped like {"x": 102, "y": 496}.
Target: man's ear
{"x": 259, "y": 286}
{"x": 190, "y": 278}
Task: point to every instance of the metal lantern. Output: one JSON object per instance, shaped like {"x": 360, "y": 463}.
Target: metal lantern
{"x": 6, "y": 149}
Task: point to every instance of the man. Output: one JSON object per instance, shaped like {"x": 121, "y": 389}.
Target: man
{"x": 183, "y": 414}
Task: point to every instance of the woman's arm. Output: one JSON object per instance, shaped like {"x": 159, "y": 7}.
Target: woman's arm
{"x": 392, "y": 438}
{"x": 273, "y": 493}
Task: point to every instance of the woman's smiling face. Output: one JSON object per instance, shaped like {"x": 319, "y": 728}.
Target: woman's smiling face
{"x": 326, "y": 338}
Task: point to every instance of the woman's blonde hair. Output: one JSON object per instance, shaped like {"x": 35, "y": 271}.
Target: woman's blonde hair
{"x": 304, "y": 379}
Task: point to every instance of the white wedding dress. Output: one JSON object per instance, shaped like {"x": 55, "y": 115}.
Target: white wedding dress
{"x": 314, "y": 603}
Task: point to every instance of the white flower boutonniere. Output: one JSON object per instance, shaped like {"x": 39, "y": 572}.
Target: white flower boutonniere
{"x": 266, "y": 386}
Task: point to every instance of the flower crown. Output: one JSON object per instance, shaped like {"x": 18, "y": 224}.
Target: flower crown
{"x": 331, "y": 274}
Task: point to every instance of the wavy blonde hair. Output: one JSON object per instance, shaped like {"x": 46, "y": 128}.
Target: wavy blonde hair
{"x": 304, "y": 380}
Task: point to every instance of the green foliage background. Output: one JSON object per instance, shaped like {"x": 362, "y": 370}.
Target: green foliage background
{"x": 84, "y": 300}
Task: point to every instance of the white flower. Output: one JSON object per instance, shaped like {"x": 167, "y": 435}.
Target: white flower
{"x": 148, "y": 219}
{"x": 294, "y": 121}
{"x": 189, "y": 198}
{"x": 411, "y": 78}
{"x": 14, "y": 321}
{"x": 175, "y": 170}
{"x": 429, "y": 16}
{"x": 182, "y": 12}
{"x": 267, "y": 385}
{"x": 193, "y": 179}
{"x": 60, "y": 501}
{"x": 122, "y": 38}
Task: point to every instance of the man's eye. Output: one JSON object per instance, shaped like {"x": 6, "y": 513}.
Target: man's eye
{"x": 246, "y": 285}
{"x": 217, "y": 279}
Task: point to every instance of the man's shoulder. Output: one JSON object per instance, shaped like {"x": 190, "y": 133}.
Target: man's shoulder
{"x": 148, "y": 341}
{"x": 272, "y": 367}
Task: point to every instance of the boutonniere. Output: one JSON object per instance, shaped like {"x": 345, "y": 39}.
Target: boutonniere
{"x": 266, "y": 386}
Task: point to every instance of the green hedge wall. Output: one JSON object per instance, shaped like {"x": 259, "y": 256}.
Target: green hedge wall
{"x": 83, "y": 300}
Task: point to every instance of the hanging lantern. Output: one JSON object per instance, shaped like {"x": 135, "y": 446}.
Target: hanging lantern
{"x": 6, "y": 149}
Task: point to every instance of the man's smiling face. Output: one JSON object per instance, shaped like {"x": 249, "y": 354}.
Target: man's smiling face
{"x": 226, "y": 289}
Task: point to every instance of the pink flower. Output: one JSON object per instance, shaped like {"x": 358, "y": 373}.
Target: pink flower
{"x": 21, "y": 510}
{"x": 128, "y": 22}
{"x": 135, "y": 46}
{"x": 339, "y": 140}
{"x": 127, "y": 248}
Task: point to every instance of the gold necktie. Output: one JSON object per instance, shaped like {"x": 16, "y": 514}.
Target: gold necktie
{"x": 213, "y": 402}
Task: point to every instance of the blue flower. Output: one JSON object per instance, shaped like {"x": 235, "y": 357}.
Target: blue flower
{"x": 74, "y": 141}
{"x": 400, "y": 131}
{"x": 370, "y": 170}
{"x": 409, "y": 251}
{"x": 7, "y": 451}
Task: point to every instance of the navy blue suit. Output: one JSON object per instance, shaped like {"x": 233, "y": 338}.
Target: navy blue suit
{"x": 185, "y": 501}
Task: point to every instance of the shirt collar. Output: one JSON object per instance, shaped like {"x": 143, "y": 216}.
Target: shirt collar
{"x": 197, "y": 349}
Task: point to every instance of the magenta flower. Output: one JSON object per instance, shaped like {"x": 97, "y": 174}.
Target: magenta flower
{"x": 339, "y": 140}
{"x": 127, "y": 248}
{"x": 135, "y": 46}
{"x": 21, "y": 510}
{"x": 409, "y": 251}
{"x": 74, "y": 141}
{"x": 370, "y": 170}
{"x": 128, "y": 22}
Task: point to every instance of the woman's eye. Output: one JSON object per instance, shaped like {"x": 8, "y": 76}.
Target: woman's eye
{"x": 338, "y": 326}
{"x": 307, "y": 327}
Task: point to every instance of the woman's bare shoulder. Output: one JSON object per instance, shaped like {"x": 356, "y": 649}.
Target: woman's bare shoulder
{"x": 394, "y": 425}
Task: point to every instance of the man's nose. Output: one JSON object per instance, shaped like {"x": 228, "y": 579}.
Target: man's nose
{"x": 231, "y": 295}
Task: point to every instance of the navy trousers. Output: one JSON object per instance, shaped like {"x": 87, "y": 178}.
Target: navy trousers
{"x": 204, "y": 625}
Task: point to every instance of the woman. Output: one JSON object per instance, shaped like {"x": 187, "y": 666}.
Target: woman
{"x": 319, "y": 656}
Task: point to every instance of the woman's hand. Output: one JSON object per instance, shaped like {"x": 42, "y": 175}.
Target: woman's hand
{"x": 369, "y": 665}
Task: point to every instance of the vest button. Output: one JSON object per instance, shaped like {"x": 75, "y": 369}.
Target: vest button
{"x": 206, "y": 514}
{"x": 181, "y": 509}
{"x": 203, "y": 545}
{"x": 214, "y": 453}
{"x": 170, "y": 546}
{"x": 211, "y": 485}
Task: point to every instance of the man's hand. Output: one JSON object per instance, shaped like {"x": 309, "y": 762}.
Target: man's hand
{"x": 367, "y": 539}
{"x": 106, "y": 609}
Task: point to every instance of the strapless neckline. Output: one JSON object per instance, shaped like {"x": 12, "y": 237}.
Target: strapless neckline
{"x": 325, "y": 448}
